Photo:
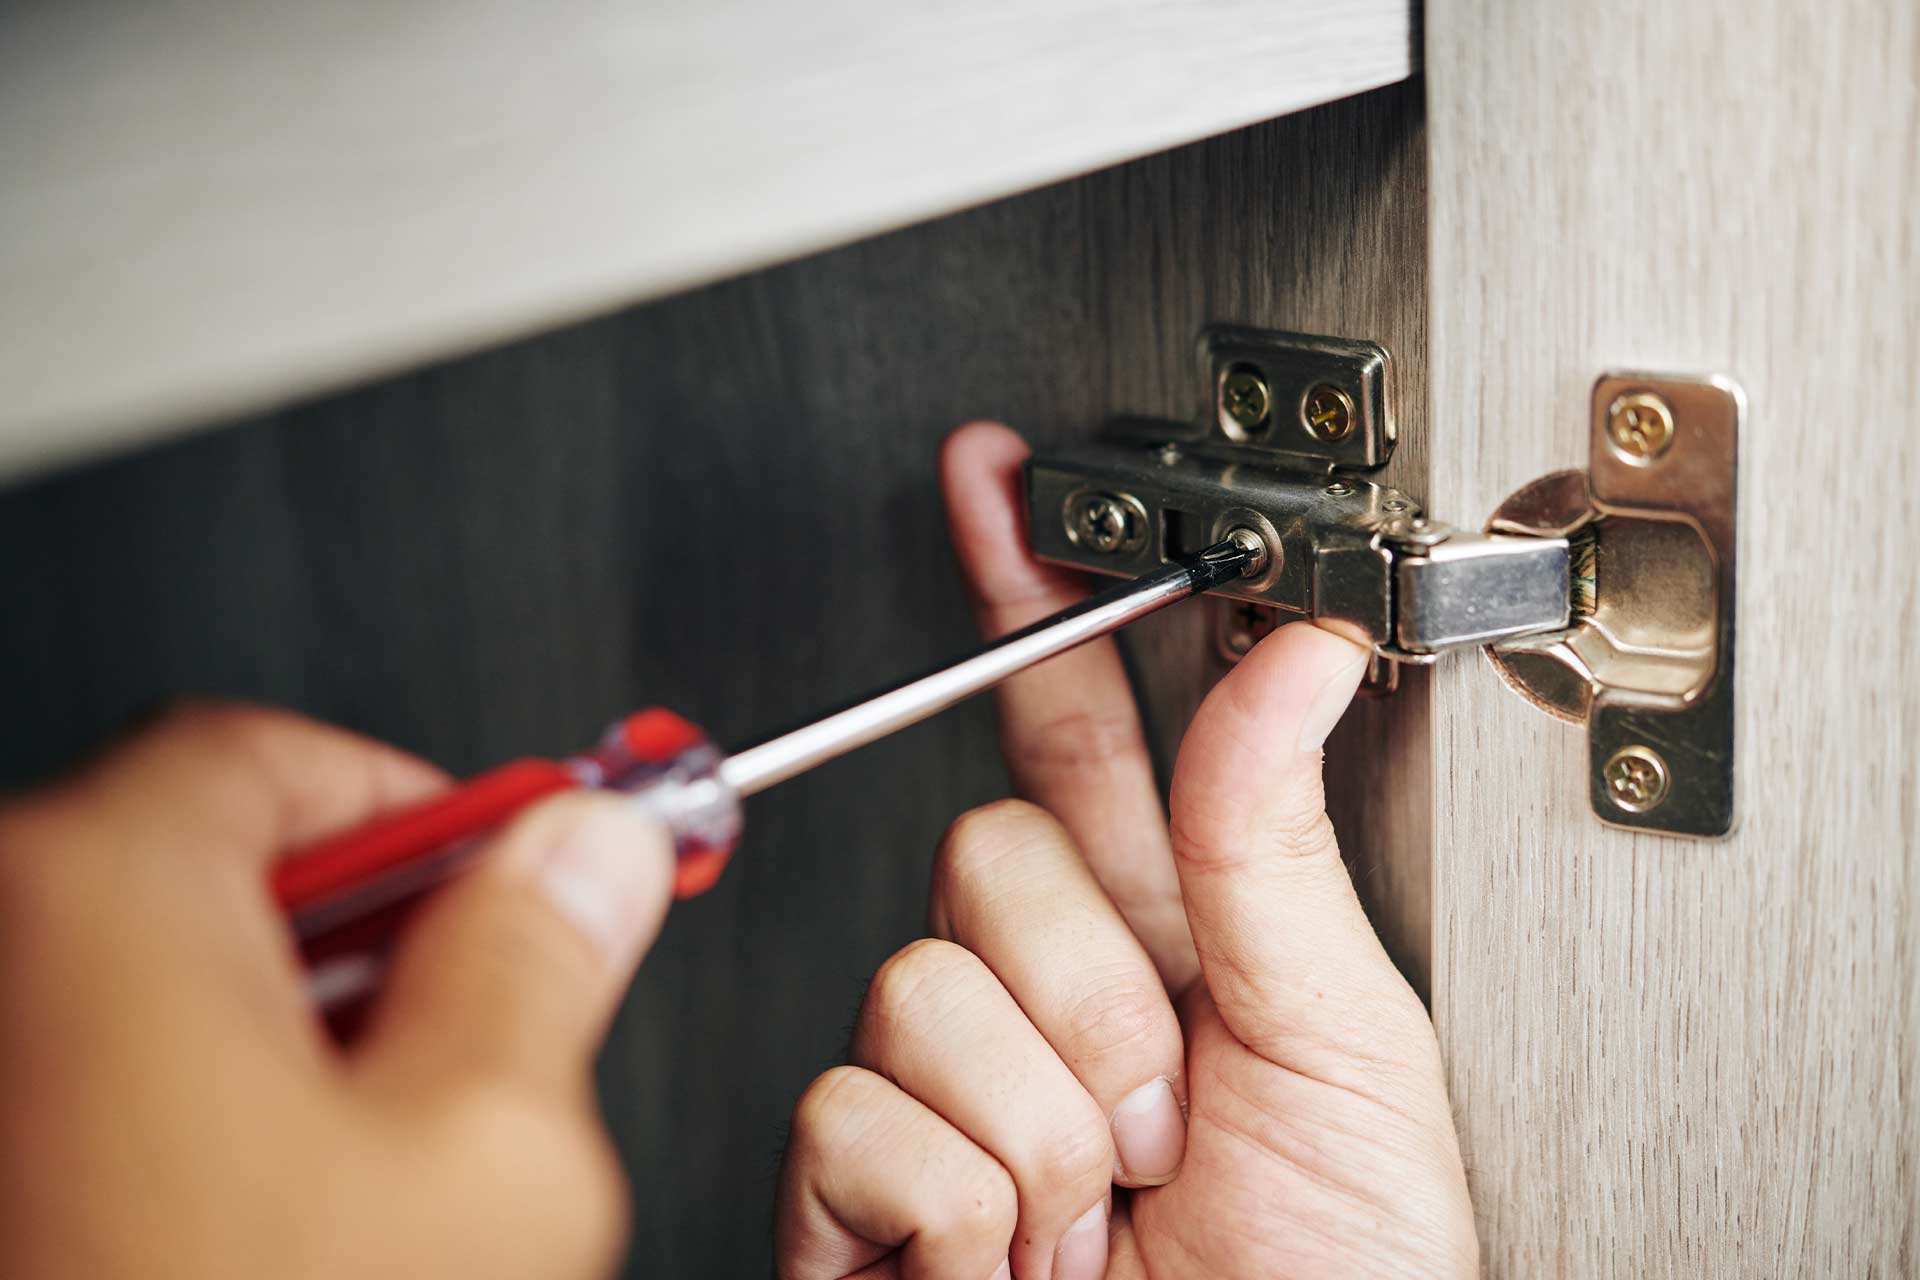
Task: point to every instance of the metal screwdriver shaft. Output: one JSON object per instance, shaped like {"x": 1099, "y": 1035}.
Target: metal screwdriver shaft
{"x": 344, "y": 894}
{"x": 756, "y": 768}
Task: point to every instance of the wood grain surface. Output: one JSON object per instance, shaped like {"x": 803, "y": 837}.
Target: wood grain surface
{"x": 1672, "y": 1057}
{"x": 725, "y": 502}
{"x": 213, "y": 207}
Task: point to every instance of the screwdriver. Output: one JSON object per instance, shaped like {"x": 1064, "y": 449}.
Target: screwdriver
{"x": 347, "y": 894}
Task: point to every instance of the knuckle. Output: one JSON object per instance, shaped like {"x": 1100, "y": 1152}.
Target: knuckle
{"x": 1293, "y": 830}
{"x": 980, "y": 1204}
{"x": 923, "y": 973}
{"x": 981, "y": 838}
{"x": 1071, "y": 1155}
{"x": 1078, "y": 740}
{"x": 1123, "y": 1014}
{"x": 1305, "y": 832}
{"x": 835, "y": 1096}
{"x": 978, "y": 835}
{"x": 922, "y": 962}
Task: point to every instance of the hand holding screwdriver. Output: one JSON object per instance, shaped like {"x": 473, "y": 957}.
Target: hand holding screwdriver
{"x": 347, "y": 893}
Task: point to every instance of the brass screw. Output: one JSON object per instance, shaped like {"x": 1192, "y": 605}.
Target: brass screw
{"x": 1245, "y": 397}
{"x": 1640, "y": 426}
{"x": 1326, "y": 412}
{"x": 1637, "y": 778}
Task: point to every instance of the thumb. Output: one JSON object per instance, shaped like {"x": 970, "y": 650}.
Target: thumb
{"x": 1288, "y": 955}
{"x": 515, "y": 970}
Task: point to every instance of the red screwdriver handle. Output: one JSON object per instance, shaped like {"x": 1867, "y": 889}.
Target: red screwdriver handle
{"x": 333, "y": 868}
{"x": 346, "y": 894}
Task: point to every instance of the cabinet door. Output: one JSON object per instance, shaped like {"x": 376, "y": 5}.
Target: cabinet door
{"x": 1684, "y": 1057}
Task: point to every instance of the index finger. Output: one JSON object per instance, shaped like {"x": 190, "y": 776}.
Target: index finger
{"x": 1069, "y": 729}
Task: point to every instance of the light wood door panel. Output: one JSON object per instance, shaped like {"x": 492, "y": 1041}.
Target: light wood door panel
{"x": 1673, "y": 1057}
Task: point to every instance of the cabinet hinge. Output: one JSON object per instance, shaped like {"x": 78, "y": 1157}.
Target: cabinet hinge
{"x": 1605, "y": 596}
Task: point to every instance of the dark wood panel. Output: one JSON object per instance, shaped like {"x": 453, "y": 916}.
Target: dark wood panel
{"x": 725, "y": 503}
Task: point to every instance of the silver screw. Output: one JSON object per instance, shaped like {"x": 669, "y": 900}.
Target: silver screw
{"x": 1394, "y": 504}
{"x": 1417, "y": 533}
{"x": 1637, "y": 779}
{"x": 1169, "y": 454}
{"x": 1339, "y": 489}
{"x": 1256, "y": 547}
{"x": 1101, "y": 522}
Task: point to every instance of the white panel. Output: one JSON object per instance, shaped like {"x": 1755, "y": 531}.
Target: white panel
{"x": 213, "y": 205}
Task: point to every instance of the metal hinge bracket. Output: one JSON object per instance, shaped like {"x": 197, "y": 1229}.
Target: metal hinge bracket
{"x": 1290, "y": 428}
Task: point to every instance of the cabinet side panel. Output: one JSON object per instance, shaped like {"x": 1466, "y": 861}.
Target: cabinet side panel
{"x": 725, "y": 503}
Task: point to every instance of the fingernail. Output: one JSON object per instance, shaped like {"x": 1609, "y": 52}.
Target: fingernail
{"x": 1003, "y": 1272}
{"x": 1149, "y": 1133}
{"x": 603, "y": 864}
{"x": 1082, "y": 1254}
{"x": 1330, "y": 701}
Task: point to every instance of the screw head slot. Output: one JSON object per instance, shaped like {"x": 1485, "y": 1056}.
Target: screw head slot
{"x": 1640, "y": 427}
{"x": 1246, "y": 402}
{"x": 1105, "y": 523}
{"x": 1250, "y": 541}
{"x": 1326, "y": 412}
{"x": 1239, "y": 625}
{"x": 1636, "y": 778}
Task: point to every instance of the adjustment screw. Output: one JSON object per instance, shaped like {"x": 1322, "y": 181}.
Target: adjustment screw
{"x": 1640, "y": 426}
{"x": 1416, "y": 533}
{"x": 1339, "y": 489}
{"x": 1637, "y": 778}
{"x": 1101, "y": 522}
{"x": 1169, "y": 454}
{"x": 1245, "y": 397}
{"x": 1326, "y": 412}
{"x": 1256, "y": 548}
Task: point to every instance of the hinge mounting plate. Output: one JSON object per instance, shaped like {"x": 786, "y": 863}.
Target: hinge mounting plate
{"x": 1647, "y": 664}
